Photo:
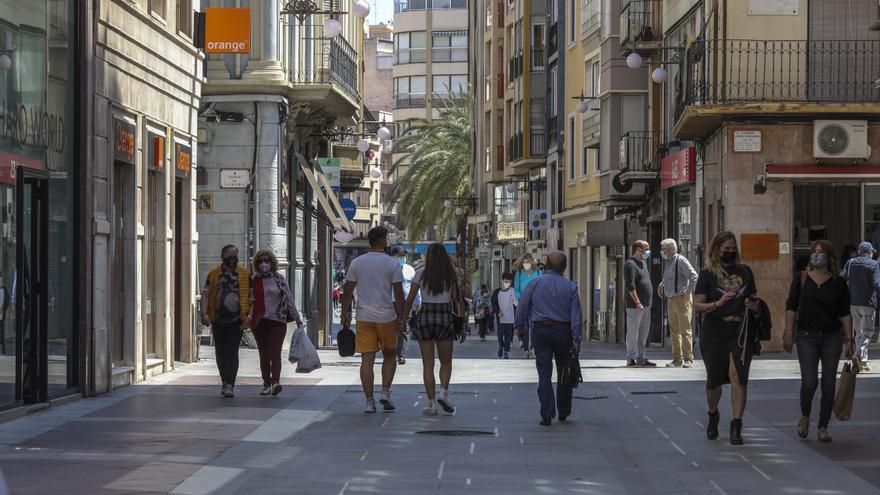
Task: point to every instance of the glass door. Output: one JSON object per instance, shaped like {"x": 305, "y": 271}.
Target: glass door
{"x": 30, "y": 287}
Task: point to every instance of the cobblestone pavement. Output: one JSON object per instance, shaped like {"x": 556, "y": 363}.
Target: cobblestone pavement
{"x": 632, "y": 431}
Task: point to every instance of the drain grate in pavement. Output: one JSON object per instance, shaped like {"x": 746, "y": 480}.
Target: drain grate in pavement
{"x": 457, "y": 433}
{"x": 653, "y": 392}
{"x": 595, "y": 397}
{"x": 341, "y": 364}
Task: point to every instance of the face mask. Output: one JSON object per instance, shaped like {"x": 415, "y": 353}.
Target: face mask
{"x": 265, "y": 267}
{"x": 527, "y": 266}
{"x": 505, "y": 285}
{"x": 728, "y": 257}
{"x": 230, "y": 261}
{"x": 647, "y": 254}
{"x": 819, "y": 260}
{"x": 402, "y": 261}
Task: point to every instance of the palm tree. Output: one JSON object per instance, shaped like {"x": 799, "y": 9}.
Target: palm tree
{"x": 439, "y": 155}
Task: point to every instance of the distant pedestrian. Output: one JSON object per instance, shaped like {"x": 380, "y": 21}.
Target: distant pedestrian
{"x": 482, "y": 304}
{"x": 335, "y": 294}
{"x": 399, "y": 253}
{"x": 819, "y": 300}
{"x": 524, "y": 271}
{"x": 224, "y": 306}
{"x": 679, "y": 281}
{"x": 5, "y": 300}
{"x": 862, "y": 273}
{"x": 272, "y": 306}
{"x": 541, "y": 267}
{"x": 552, "y": 305}
{"x": 375, "y": 275}
{"x": 435, "y": 326}
{"x": 639, "y": 291}
{"x": 504, "y": 309}
{"x": 725, "y": 290}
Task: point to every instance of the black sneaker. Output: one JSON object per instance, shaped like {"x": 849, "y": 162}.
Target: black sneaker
{"x": 546, "y": 421}
{"x": 631, "y": 363}
{"x": 644, "y": 363}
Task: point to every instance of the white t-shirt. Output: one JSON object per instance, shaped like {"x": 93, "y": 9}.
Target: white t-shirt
{"x": 374, "y": 273}
{"x": 507, "y": 305}
{"x": 442, "y": 298}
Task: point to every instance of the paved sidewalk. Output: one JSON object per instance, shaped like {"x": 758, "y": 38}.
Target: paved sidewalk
{"x": 632, "y": 431}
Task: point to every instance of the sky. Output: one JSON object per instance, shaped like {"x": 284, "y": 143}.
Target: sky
{"x": 381, "y": 11}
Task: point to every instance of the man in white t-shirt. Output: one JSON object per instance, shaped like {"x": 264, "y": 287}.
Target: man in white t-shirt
{"x": 375, "y": 274}
{"x": 504, "y": 307}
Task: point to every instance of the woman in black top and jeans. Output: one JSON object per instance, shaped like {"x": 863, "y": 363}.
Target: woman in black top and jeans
{"x": 820, "y": 299}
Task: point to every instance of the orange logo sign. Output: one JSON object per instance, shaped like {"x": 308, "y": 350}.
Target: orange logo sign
{"x": 228, "y": 31}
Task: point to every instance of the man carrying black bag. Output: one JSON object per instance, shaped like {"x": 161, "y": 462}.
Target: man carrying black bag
{"x": 551, "y": 303}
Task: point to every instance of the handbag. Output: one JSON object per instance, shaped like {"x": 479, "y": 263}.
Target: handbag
{"x": 571, "y": 375}
{"x": 345, "y": 342}
{"x": 846, "y": 391}
{"x": 458, "y": 319}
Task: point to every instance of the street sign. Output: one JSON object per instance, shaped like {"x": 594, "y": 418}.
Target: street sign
{"x": 330, "y": 167}
{"x": 539, "y": 220}
{"x": 234, "y": 178}
{"x": 349, "y": 208}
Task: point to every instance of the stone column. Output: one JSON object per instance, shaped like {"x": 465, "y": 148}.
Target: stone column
{"x": 268, "y": 66}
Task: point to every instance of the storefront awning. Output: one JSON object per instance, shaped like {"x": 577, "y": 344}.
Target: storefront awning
{"x": 422, "y": 248}
{"x": 853, "y": 172}
{"x": 326, "y": 196}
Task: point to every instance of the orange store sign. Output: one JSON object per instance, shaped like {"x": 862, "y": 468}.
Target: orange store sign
{"x": 227, "y": 30}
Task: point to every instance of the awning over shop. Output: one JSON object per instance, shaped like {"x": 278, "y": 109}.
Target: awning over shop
{"x": 823, "y": 172}
{"x": 326, "y": 196}
{"x": 423, "y": 248}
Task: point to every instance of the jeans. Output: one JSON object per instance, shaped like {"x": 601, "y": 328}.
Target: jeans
{"x": 552, "y": 342}
{"x": 269, "y": 335}
{"x": 526, "y": 339}
{"x": 484, "y": 325}
{"x": 505, "y": 335}
{"x": 679, "y": 311}
{"x": 638, "y": 324}
{"x": 813, "y": 347}
{"x": 863, "y": 327}
{"x": 227, "y": 339}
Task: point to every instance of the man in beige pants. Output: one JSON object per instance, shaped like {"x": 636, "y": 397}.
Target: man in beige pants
{"x": 679, "y": 280}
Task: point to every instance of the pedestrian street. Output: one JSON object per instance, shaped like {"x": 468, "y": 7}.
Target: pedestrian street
{"x": 631, "y": 431}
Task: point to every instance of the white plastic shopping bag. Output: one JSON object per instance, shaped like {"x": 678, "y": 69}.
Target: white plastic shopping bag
{"x": 296, "y": 344}
{"x": 309, "y": 361}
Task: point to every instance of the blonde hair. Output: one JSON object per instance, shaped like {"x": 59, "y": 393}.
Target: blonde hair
{"x": 714, "y": 258}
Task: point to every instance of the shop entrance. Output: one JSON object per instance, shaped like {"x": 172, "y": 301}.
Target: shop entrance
{"x": 177, "y": 267}
{"x": 826, "y": 211}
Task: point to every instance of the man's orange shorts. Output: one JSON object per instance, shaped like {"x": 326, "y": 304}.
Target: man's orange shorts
{"x": 371, "y": 336}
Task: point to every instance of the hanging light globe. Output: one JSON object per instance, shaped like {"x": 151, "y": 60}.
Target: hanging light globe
{"x": 332, "y": 28}
{"x": 363, "y": 145}
{"x": 459, "y": 211}
{"x": 376, "y": 172}
{"x": 360, "y": 8}
{"x": 384, "y": 133}
{"x": 582, "y": 106}
{"x": 633, "y": 60}
{"x": 659, "y": 75}
{"x": 447, "y": 203}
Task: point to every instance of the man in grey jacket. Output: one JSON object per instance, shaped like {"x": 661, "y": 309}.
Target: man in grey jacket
{"x": 679, "y": 281}
{"x": 862, "y": 274}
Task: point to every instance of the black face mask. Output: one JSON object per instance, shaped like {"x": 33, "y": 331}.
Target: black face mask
{"x": 728, "y": 257}
{"x": 230, "y": 261}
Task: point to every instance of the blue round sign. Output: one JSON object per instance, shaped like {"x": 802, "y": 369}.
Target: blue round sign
{"x": 348, "y": 207}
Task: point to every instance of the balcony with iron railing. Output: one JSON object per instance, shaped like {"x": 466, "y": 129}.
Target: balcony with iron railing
{"x": 537, "y": 143}
{"x": 724, "y": 78}
{"x": 640, "y": 26}
{"x": 639, "y": 158}
{"x": 515, "y": 66}
{"x": 327, "y": 69}
{"x": 515, "y": 147}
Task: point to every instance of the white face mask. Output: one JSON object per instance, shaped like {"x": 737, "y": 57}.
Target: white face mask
{"x": 505, "y": 285}
{"x": 527, "y": 266}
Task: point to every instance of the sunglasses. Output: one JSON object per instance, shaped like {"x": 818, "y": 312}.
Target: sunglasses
{"x": 264, "y": 261}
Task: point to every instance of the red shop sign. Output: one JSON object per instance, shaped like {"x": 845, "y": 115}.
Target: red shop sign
{"x": 10, "y": 162}
{"x": 678, "y": 168}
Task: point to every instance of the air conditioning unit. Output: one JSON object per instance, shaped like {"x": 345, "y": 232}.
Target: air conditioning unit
{"x": 846, "y": 139}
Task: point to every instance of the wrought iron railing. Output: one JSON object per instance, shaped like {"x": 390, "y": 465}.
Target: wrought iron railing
{"x": 515, "y": 66}
{"x": 333, "y": 62}
{"x": 408, "y": 100}
{"x": 515, "y": 147}
{"x": 640, "y": 22}
{"x": 718, "y": 72}
{"x": 640, "y": 150}
{"x": 537, "y": 143}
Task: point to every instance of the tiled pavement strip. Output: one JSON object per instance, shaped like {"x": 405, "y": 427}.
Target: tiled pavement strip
{"x": 176, "y": 434}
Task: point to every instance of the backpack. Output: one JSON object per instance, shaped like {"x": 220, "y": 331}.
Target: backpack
{"x": 345, "y": 342}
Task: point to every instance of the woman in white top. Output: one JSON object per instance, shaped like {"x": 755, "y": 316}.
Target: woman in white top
{"x": 435, "y": 323}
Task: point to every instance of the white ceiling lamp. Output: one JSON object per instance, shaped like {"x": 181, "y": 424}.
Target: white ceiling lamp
{"x": 332, "y": 28}
{"x": 633, "y": 60}
{"x": 376, "y": 172}
{"x": 361, "y": 9}
{"x": 582, "y": 106}
{"x": 659, "y": 75}
{"x": 363, "y": 145}
{"x": 383, "y": 133}
{"x": 447, "y": 204}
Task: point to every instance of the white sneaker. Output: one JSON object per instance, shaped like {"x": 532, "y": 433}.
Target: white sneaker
{"x": 430, "y": 409}
{"x": 447, "y": 406}
{"x": 385, "y": 400}
{"x": 370, "y": 408}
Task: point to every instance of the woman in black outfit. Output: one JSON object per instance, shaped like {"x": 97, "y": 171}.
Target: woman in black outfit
{"x": 820, "y": 300}
{"x": 725, "y": 290}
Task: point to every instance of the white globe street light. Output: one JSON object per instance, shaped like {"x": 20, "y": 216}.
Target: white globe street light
{"x": 459, "y": 211}
{"x": 360, "y": 8}
{"x": 363, "y": 145}
{"x": 447, "y": 203}
{"x": 376, "y": 172}
{"x": 384, "y": 133}
{"x": 332, "y": 28}
{"x": 582, "y": 106}
{"x": 659, "y": 75}
{"x": 5, "y": 62}
{"x": 633, "y": 60}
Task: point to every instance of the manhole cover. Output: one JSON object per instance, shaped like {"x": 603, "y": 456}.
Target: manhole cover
{"x": 595, "y": 397}
{"x": 651, "y": 392}
{"x": 457, "y": 433}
